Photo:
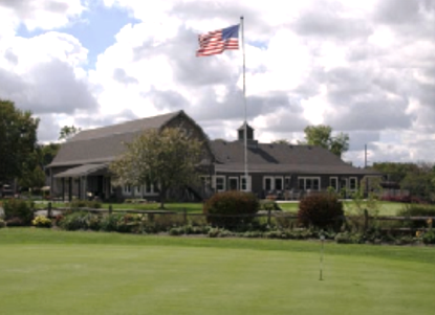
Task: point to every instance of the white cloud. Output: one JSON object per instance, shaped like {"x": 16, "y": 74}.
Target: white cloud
{"x": 43, "y": 73}
{"x": 365, "y": 67}
{"x": 41, "y": 14}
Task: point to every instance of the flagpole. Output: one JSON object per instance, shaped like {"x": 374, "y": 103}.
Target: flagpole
{"x": 244, "y": 105}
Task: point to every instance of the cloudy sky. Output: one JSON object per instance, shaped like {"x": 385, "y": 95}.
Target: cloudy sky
{"x": 364, "y": 67}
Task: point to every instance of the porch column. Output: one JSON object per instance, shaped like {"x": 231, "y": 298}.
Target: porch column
{"x": 63, "y": 189}
{"x": 85, "y": 186}
{"x": 80, "y": 188}
{"x": 70, "y": 189}
{"x": 51, "y": 182}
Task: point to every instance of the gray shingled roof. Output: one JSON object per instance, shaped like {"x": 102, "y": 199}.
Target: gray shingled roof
{"x": 126, "y": 127}
{"x": 279, "y": 158}
{"x": 81, "y": 170}
{"x": 105, "y": 144}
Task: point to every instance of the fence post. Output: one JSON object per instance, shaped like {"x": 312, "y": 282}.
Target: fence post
{"x": 151, "y": 217}
{"x": 269, "y": 212}
{"x": 366, "y": 219}
{"x": 185, "y": 216}
{"x": 110, "y": 209}
{"x": 49, "y": 210}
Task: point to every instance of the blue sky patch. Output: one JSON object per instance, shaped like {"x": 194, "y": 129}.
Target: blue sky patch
{"x": 96, "y": 29}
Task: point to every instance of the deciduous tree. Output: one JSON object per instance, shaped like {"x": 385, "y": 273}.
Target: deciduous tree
{"x": 17, "y": 139}
{"x": 67, "y": 132}
{"x": 420, "y": 182}
{"x": 281, "y": 141}
{"x": 321, "y": 136}
{"x": 168, "y": 157}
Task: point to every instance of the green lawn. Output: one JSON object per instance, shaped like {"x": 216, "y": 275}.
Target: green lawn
{"x": 56, "y": 272}
{"x": 386, "y": 208}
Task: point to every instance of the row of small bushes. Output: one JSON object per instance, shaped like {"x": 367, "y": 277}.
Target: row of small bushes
{"x": 139, "y": 224}
{"x": 18, "y": 212}
{"x": 121, "y": 222}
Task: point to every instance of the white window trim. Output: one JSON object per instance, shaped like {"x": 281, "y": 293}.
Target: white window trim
{"x": 151, "y": 192}
{"x": 137, "y": 190}
{"x": 356, "y": 183}
{"x": 236, "y": 178}
{"x": 215, "y": 183}
{"x": 345, "y": 180}
{"x": 248, "y": 182}
{"x": 282, "y": 182}
{"x": 304, "y": 178}
{"x": 289, "y": 178}
{"x": 205, "y": 179}
{"x": 272, "y": 184}
{"x": 126, "y": 190}
{"x": 336, "y": 181}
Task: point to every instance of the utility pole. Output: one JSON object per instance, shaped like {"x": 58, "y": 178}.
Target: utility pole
{"x": 365, "y": 156}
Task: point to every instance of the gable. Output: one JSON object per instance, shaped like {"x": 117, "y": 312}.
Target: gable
{"x": 107, "y": 143}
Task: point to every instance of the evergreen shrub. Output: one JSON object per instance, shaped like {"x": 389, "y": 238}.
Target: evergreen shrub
{"x": 18, "y": 212}
{"x": 323, "y": 211}
{"x": 231, "y": 209}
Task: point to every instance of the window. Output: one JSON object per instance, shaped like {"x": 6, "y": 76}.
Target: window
{"x": 205, "y": 180}
{"x": 267, "y": 183}
{"x": 156, "y": 187}
{"x": 333, "y": 182}
{"x": 312, "y": 183}
{"x": 243, "y": 183}
{"x": 148, "y": 187}
{"x": 301, "y": 184}
{"x": 278, "y": 183}
{"x": 137, "y": 190}
{"x": 233, "y": 183}
{"x": 343, "y": 183}
{"x": 273, "y": 183}
{"x": 353, "y": 183}
{"x": 127, "y": 189}
{"x": 287, "y": 183}
{"x": 220, "y": 183}
{"x": 308, "y": 183}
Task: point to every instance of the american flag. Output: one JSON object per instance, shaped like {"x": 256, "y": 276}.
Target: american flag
{"x": 213, "y": 43}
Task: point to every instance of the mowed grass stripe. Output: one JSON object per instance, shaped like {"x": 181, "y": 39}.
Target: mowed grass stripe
{"x": 95, "y": 279}
{"x": 22, "y": 236}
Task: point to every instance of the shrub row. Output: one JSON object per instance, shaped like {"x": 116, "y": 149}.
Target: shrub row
{"x": 121, "y": 222}
{"x": 18, "y": 212}
{"x": 139, "y": 224}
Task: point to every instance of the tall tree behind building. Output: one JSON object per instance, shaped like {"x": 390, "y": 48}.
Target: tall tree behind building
{"x": 17, "y": 139}
{"x": 321, "y": 136}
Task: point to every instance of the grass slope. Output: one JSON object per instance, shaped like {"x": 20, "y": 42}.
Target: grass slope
{"x": 56, "y": 272}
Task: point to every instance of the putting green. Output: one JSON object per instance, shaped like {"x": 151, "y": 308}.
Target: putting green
{"x": 165, "y": 279}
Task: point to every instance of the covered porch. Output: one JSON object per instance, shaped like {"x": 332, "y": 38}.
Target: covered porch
{"x": 85, "y": 181}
